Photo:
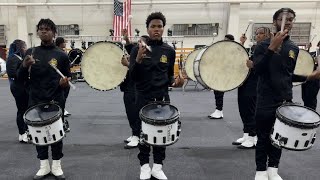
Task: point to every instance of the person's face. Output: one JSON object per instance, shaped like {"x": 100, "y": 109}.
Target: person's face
{"x": 290, "y": 19}
{"x": 63, "y": 45}
{"x": 45, "y": 33}
{"x": 226, "y": 39}
{"x": 155, "y": 29}
{"x": 261, "y": 35}
{"x": 24, "y": 48}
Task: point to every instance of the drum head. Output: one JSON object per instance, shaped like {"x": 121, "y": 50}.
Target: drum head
{"x": 159, "y": 113}
{"x": 304, "y": 65}
{"x": 75, "y": 56}
{"x": 188, "y": 65}
{"x": 222, "y": 65}
{"x": 299, "y": 115}
{"x": 42, "y": 114}
{"x": 101, "y": 66}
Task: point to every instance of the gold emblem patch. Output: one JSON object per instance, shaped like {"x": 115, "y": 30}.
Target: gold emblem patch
{"x": 292, "y": 54}
{"x": 164, "y": 59}
{"x": 53, "y": 62}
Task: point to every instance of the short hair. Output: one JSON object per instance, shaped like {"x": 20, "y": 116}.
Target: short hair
{"x": 49, "y": 23}
{"x": 156, "y": 15}
{"x": 230, "y": 37}
{"x": 16, "y": 47}
{"x": 59, "y": 41}
{"x": 265, "y": 29}
{"x": 277, "y": 13}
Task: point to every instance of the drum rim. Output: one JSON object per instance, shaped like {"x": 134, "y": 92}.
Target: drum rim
{"x": 84, "y": 77}
{"x": 288, "y": 148}
{"x": 42, "y": 123}
{"x": 75, "y": 49}
{"x": 300, "y": 83}
{"x": 293, "y": 123}
{"x": 249, "y": 71}
{"x": 155, "y": 122}
{"x": 185, "y": 61}
{"x": 157, "y": 145}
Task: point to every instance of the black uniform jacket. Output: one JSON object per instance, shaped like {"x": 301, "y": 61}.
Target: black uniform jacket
{"x": 44, "y": 80}
{"x": 275, "y": 70}
{"x": 155, "y": 74}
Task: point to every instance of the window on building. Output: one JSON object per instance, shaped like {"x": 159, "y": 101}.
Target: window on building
{"x": 300, "y": 33}
{"x": 72, "y": 29}
{"x": 195, "y": 29}
{"x": 3, "y": 40}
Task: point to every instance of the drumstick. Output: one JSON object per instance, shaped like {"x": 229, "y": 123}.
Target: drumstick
{"x": 315, "y": 35}
{"x": 145, "y": 45}
{"x": 250, "y": 22}
{"x": 284, "y": 18}
{"x": 59, "y": 72}
{"x": 74, "y": 59}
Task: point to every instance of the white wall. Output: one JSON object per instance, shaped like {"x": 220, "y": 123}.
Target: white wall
{"x": 97, "y": 20}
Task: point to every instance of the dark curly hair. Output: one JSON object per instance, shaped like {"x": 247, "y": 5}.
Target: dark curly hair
{"x": 277, "y": 13}
{"x": 49, "y": 23}
{"x": 156, "y": 15}
{"x": 59, "y": 41}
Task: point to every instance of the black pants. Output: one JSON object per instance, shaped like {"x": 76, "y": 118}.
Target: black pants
{"x": 265, "y": 151}
{"x": 309, "y": 92}
{"x": 129, "y": 103}
{"x": 247, "y": 108}
{"x": 159, "y": 153}
{"x": 21, "y": 97}
{"x": 218, "y": 95}
{"x": 66, "y": 93}
{"x": 56, "y": 148}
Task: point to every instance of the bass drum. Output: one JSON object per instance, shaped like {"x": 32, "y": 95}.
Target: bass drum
{"x": 304, "y": 66}
{"x": 75, "y": 56}
{"x": 101, "y": 66}
{"x": 188, "y": 64}
{"x": 222, "y": 66}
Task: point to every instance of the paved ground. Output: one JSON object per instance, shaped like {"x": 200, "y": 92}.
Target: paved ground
{"x": 94, "y": 149}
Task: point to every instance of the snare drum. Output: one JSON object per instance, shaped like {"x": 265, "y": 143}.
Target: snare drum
{"x": 44, "y": 123}
{"x": 101, "y": 66}
{"x": 304, "y": 66}
{"x": 295, "y": 127}
{"x": 160, "y": 124}
{"x": 221, "y": 66}
{"x": 188, "y": 64}
{"x": 75, "y": 56}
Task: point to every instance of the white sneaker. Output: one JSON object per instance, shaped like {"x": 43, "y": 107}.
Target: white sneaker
{"x": 255, "y": 140}
{"x": 133, "y": 143}
{"x": 66, "y": 113}
{"x": 248, "y": 143}
{"x": 241, "y": 140}
{"x": 128, "y": 139}
{"x": 261, "y": 175}
{"x": 157, "y": 172}
{"x": 56, "y": 169}
{"x": 145, "y": 172}
{"x": 273, "y": 174}
{"x": 44, "y": 169}
{"x": 23, "y": 138}
{"x": 217, "y": 114}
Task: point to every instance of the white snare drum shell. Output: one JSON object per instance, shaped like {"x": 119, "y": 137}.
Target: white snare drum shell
{"x": 48, "y": 134}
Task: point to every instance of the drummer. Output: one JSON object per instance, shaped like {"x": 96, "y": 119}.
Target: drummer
{"x": 152, "y": 76}
{"x": 218, "y": 113}
{"x": 274, "y": 62}
{"x": 46, "y": 86}
{"x": 247, "y": 96}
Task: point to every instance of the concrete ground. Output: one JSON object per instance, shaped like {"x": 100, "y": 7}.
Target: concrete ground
{"x": 94, "y": 148}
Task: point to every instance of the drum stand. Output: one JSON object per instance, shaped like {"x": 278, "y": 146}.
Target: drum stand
{"x": 187, "y": 82}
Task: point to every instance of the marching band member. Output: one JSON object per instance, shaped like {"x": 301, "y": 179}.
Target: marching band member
{"x": 218, "y": 95}
{"x": 247, "y": 96}
{"x": 18, "y": 87}
{"x": 46, "y": 86}
{"x": 152, "y": 76}
{"x": 61, "y": 44}
{"x": 274, "y": 62}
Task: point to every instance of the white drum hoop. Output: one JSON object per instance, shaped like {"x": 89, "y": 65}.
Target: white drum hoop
{"x": 101, "y": 66}
{"x": 304, "y": 65}
{"x": 215, "y": 66}
{"x": 189, "y": 61}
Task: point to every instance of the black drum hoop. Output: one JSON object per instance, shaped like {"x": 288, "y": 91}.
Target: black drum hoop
{"x": 206, "y": 48}
{"x": 79, "y": 59}
{"x": 159, "y": 123}
{"x": 296, "y": 124}
{"x": 45, "y": 122}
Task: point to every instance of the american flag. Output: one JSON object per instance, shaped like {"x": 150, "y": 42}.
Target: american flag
{"x": 122, "y": 11}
